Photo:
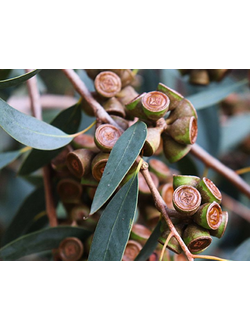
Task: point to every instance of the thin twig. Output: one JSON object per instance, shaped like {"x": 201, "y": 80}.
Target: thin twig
{"x": 81, "y": 88}
{"x": 222, "y": 169}
{"x": 162, "y": 207}
{"x": 37, "y": 112}
{"x": 238, "y": 208}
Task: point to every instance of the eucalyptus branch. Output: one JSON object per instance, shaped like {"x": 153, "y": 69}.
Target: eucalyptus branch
{"x": 222, "y": 169}
{"x": 162, "y": 207}
{"x": 81, "y": 88}
{"x": 37, "y": 112}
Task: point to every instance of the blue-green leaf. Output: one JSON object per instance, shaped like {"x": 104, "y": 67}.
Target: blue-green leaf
{"x": 114, "y": 226}
{"x": 8, "y": 157}
{"x": 121, "y": 158}
{"x": 18, "y": 80}
{"x": 31, "y": 131}
{"x": 39, "y": 241}
{"x": 216, "y": 94}
{"x": 242, "y": 253}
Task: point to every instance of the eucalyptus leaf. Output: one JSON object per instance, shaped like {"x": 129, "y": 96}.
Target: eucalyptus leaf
{"x": 150, "y": 245}
{"x": 18, "y": 80}
{"x": 39, "y": 241}
{"x": 31, "y": 131}
{"x": 8, "y": 157}
{"x": 122, "y": 157}
{"x": 242, "y": 253}
{"x": 67, "y": 120}
{"x": 24, "y": 218}
{"x": 114, "y": 226}
{"x": 216, "y": 94}
{"x": 234, "y": 131}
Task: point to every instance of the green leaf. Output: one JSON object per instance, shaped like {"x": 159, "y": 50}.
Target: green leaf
{"x": 39, "y": 241}
{"x": 24, "y": 218}
{"x": 31, "y": 131}
{"x": 216, "y": 94}
{"x": 67, "y": 120}
{"x": 122, "y": 157}
{"x": 18, "y": 80}
{"x": 114, "y": 226}
{"x": 150, "y": 245}
{"x": 8, "y": 157}
{"x": 234, "y": 131}
{"x": 242, "y": 253}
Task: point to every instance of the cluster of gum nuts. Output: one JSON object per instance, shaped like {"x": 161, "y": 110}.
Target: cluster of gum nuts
{"x": 199, "y": 214}
{"x": 79, "y": 167}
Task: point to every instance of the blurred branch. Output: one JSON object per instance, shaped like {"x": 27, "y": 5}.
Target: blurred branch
{"x": 37, "y": 112}
{"x": 81, "y": 88}
{"x": 48, "y": 101}
{"x": 222, "y": 169}
{"x": 236, "y": 207}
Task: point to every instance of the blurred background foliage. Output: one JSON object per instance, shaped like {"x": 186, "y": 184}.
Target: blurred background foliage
{"x": 224, "y": 131}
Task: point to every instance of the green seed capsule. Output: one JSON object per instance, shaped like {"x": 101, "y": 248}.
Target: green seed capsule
{"x": 209, "y": 216}
{"x": 223, "y": 225}
{"x": 155, "y": 105}
{"x": 140, "y": 233}
{"x": 209, "y": 192}
{"x": 173, "y": 150}
{"x": 184, "y": 109}
{"x": 152, "y": 142}
{"x": 173, "y": 244}
{"x": 186, "y": 200}
{"x": 196, "y": 238}
{"x": 173, "y": 96}
{"x": 180, "y": 180}
{"x": 183, "y": 130}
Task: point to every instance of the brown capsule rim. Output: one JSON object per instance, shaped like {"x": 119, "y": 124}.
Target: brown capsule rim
{"x": 77, "y": 243}
{"x": 214, "y": 219}
{"x": 108, "y": 83}
{"x": 186, "y": 199}
{"x": 212, "y": 188}
{"x": 155, "y": 101}
{"x": 106, "y": 136}
{"x": 195, "y": 240}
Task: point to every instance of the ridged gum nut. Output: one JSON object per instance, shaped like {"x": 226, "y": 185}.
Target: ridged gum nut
{"x": 71, "y": 249}
{"x": 152, "y": 141}
{"x": 183, "y": 72}
{"x": 59, "y": 162}
{"x": 199, "y": 77}
{"x": 134, "y": 107}
{"x": 196, "y": 238}
{"x": 131, "y": 251}
{"x": 155, "y": 105}
{"x": 127, "y": 77}
{"x": 183, "y": 130}
{"x": 114, "y": 107}
{"x": 173, "y": 244}
{"x": 173, "y": 150}
{"x": 92, "y": 73}
{"x": 84, "y": 141}
{"x": 106, "y": 136}
{"x": 107, "y": 84}
{"x": 217, "y": 74}
{"x": 173, "y": 96}
{"x": 79, "y": 162}
{"x": 143, "y": 186}
{"x": 123, "y": 123}
{"x": 223, "y": 225}
{"x": 184, "y": 109}
{"x": 180, "y": 180}
{"x": 186, "y": 200}
{"x": 152, "y": 216}
{"x": 160, "y": 169}
{"x": 208, "y": 216}
{"x": 140, "y": 233}
{"x": 166, "y": 190}
{"x": 127, "y": 94}
{"x": 69, "y": 190}
{"x": 98, "y": 165}
{"x": 209, "y": 192}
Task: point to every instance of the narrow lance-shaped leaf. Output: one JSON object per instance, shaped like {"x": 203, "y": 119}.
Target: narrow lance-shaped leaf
{"x": 114, "y": 226}
{"x": 8, "y": 157}
{"x": 67, "y": 120}
{"x": 214, "y": 95}
{"x": 31, "y": 131}
{"x": 122, "y": 156}
{"x": 18, "y": 80}
{"x": 39, "y": 241}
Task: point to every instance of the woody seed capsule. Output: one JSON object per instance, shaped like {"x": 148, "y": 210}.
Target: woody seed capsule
{"x": 184, "y": 109}
{"x": 196, "y": 238}
{"x": 114, "y": 107}
{"x": 155, "y": 105}
{"x": 173, "y": 96}
{"x": 140, "y": 233}
{"x": 209, "y": 216}
{"x": 107, "y": 84}
{"x": 106, "y": 136}
{"x": 180, "y": 180}
{"x": 199, "y": 77}
{"x": 69, "y": 190}
{"x": 98, "y": 165}
{"x": 183, "y": 130}
{"x": 209, "y": 192}
{"x": 186, "y": 199}
{"x": 71, "y": 249}
{"x": 222, "y": 227}
{"x": 173, "y": 150}
{"x": 79, "y": 162}
{"x": 131, "y": 251}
